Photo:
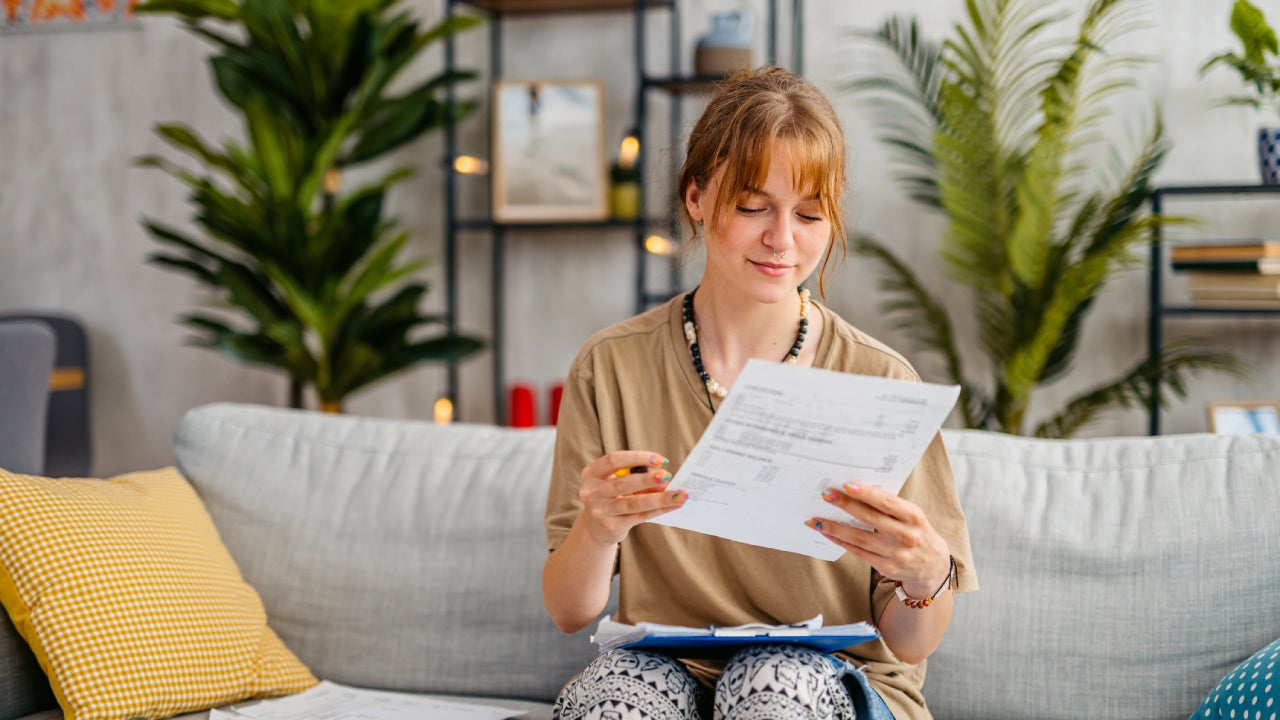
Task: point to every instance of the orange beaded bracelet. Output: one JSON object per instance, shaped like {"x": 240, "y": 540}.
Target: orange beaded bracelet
{"x": 915, "y": 604}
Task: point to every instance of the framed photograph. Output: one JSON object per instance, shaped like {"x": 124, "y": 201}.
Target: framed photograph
{"x": 1244, "y": 418}
{"x": 549, "y": 155}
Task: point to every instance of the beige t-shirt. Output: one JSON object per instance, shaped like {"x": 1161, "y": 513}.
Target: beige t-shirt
{"x": 633, "y": 387}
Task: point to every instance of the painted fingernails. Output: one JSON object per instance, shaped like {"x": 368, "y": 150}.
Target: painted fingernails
{"x": 851, "y": 488}
{"x": 815, "y": 524}
{"x": 658, "y": 460}
{"x": 679, "y": 496}
{"x": 829, "y": 495}
{"x": 661, "y": 476}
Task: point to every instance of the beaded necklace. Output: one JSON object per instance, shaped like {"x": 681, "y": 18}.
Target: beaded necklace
{"x": 691, "y": 334}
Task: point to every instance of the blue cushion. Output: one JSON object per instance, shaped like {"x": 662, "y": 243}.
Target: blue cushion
{"x": 1250, "y": 692}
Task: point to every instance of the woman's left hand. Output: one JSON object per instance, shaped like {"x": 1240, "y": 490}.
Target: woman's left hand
{"x": 902, "y": 545}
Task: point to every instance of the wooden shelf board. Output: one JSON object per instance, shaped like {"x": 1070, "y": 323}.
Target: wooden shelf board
{"x": 529, "y": 7}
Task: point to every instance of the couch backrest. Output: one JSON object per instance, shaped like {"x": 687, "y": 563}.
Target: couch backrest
{"x": 1120, "y": 578}
{"x": 389, "y": 553}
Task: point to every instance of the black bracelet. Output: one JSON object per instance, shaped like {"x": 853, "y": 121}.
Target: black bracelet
{"x": 915, "y": 604}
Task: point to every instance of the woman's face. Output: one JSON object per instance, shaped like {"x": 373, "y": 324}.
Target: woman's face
{"x": 776, "y": 218}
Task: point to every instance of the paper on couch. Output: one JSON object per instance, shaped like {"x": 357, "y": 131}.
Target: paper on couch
{"x": 787, "y": 433}
{"x": 331, "y": 701}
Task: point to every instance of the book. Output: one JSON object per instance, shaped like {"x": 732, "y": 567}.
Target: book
{"x": 1252, "y": 250}
{"x": 1237, "y": 303}
{"x": 1227, "y": 286}
{"x": 1259, "y": 266}
{"x": 714, "y": 641}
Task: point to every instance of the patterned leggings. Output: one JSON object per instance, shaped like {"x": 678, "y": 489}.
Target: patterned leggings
{"x": 762, "y": 682}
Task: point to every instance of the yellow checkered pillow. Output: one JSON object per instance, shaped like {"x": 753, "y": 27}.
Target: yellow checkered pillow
{"x": 129, "y": 599}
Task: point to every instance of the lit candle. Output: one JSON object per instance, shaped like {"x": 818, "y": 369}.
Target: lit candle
{"x": 659, "y": 245}
{"x": 628, "y": 151}
{"x": 468, "y": 165}
{"x": 444, "y": 411}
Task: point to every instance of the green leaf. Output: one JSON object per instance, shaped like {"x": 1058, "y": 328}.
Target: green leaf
{"x": 924, "y": 318}
{"x": 191, "y": 9}
{"x": 1174, "y": 367}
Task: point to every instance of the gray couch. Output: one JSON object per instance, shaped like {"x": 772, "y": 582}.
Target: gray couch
{"x": 1121, "y": 578}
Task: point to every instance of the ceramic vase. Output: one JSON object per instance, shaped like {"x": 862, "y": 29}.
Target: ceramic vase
{"x": 727, "y": 47}
{"x": 1269, "y": 155}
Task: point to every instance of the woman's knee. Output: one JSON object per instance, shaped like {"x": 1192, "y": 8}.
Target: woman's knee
{"x": 781, "y": 681}
{"x": 630, "y": 685}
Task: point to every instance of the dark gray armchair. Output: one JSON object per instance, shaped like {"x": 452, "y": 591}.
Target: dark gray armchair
{"x": 26, "y": 364}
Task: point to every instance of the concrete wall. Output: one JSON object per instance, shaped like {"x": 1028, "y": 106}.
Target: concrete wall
{"x": 75, "y": 106}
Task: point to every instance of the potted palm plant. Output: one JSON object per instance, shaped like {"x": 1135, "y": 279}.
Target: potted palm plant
{"x": 1258, "y": 63}
{"x": 306, "y": 276}
{"x": 989, "y": 128}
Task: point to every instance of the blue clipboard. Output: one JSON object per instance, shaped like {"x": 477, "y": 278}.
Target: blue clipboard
{"x": 716, "y": 646}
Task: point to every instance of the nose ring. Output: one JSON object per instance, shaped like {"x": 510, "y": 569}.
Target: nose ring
{"x": 783, "y": 256}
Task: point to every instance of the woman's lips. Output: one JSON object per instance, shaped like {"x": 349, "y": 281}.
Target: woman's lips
{"x": 771, "y": 269}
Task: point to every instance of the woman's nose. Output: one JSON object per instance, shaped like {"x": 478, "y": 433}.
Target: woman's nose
{"x": 780, "y": 234}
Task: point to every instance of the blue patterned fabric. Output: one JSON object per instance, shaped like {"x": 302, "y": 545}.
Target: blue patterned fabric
{"x": 761, "y": 682}
{"x": 1250, "y": 692}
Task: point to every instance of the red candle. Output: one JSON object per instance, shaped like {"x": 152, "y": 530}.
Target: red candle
{"x": 522, "y": 410}
{"x": 557, "y": 391}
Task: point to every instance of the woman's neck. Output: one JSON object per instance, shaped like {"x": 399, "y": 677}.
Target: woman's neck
{"x": 733, "y": 329}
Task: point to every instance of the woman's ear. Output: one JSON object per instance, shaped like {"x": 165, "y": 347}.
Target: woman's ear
{"x": 693, "y": 201}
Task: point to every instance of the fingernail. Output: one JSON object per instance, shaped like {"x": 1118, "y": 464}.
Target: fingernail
{"x": 666, "y": 461}
{"x": 679, "y": 496}
{"x": 661, "y": 476}
{"x": 815, "y": 524}
{"x": 829, "y": 495}
{"x": 851, "y": 488}
{"x": 655, "y": 460}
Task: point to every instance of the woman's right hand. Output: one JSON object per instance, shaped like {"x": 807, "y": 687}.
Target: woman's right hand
{"x": 622, "y": 490}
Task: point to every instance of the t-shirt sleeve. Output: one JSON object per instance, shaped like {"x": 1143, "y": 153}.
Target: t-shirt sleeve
{"x": 932, "y": 486}
{"x": 578, "y": 443}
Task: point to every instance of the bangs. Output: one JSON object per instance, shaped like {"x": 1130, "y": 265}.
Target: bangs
{"x": 817, "y": 170}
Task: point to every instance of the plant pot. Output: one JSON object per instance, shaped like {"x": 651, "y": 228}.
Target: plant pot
{"x": 1269, "y": 155}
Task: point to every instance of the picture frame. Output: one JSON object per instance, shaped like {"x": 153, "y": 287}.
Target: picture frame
{"x": 550, "y": 159}
{"x": 1245, "y": 417}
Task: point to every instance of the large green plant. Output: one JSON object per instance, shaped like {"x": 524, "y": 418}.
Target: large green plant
{"x": 308, "y": 276}
{"x": 992, "y": 128}
{"x": 1259, "y": 60}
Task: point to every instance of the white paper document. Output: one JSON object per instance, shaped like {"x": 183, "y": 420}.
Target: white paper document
{"x": 787, "y": 433}
{"x": 330, "y": 701}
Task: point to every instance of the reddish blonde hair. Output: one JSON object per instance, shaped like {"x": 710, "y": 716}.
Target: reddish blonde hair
{"x": 748, "y": 115}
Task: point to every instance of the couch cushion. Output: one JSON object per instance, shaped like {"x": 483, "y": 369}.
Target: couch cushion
{"x": 1251, "y": 691}
{"x": 390, "y": 553}
{"x": 129, "y": 600}
{"x": 1118, "y": 575}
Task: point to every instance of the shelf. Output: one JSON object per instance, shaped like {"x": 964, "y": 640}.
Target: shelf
{"x": 1192, "y": 310}
{"x": 481, "y": 224}
{"x": 1157, "y": 310}
{"x": 533, "y": 7}
{"x": 1216, "y": 189}
{"x": 686, "y": 84}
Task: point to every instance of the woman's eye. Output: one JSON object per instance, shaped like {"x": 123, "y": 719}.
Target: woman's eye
{"x": 811, "y": 218}
{"x": 749, "y": 211}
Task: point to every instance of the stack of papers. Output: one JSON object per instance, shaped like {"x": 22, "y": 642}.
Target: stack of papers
{"x": 330, "y": 701}
{"x": 695, "y": 642}
{"x": 785, "y": 434}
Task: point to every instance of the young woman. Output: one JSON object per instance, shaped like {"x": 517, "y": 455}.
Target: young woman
{"x": 762, "y": 186}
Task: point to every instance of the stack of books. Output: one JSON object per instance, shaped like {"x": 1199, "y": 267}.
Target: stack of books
{"x": 1231, "y": 274}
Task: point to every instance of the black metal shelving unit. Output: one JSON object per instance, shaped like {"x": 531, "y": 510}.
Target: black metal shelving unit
{"x": 1157, "y": 309}
{"x": 675, "y": 85}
